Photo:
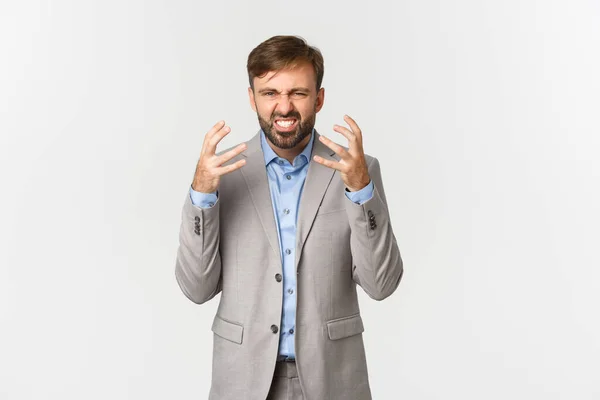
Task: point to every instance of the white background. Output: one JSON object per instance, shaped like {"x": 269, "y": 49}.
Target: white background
{"x": 484, "y": 115}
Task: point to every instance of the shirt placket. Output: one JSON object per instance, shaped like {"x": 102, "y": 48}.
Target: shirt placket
{"x": 288, "y": 215}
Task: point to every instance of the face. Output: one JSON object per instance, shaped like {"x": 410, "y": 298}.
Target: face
{"x": 286, "y": 103}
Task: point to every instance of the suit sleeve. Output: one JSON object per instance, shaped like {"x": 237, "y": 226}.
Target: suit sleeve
{"x": 198, "y": 264}
{"x": 377, "y": 264}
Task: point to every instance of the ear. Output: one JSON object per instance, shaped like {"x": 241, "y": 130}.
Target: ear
{"x": 251, "y": 98}
{"x": 320, "y": 99}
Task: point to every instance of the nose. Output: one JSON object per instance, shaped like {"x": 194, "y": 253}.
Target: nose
{"x": 285, "y": 105}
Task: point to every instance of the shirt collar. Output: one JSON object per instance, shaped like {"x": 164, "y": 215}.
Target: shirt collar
{"x": 270, "y": 155}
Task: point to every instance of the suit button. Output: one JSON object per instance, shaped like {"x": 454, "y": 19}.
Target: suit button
{"x": 197, "y": 232}
{"x": 278, "y": 277}
{"x": 197, "y": 218}
{"x": 370, "y": 213}
{"x": 274, "y": 329}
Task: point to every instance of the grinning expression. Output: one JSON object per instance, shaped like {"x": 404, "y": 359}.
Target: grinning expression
{"x": 286, "y": 103}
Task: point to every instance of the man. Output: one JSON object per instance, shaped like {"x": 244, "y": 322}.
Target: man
{"x": 285, "y": 226}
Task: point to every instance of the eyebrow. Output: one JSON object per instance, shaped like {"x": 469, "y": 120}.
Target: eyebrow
{"x": 296, "y": 89}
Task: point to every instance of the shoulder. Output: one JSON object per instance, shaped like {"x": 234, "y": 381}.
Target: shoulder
{"x": 370, "y": 159}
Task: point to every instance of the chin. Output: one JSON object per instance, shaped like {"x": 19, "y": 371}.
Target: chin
{"x": 286, "y": 134}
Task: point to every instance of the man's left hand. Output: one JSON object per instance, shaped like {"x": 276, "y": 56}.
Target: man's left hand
{"x": 352, "y": 164}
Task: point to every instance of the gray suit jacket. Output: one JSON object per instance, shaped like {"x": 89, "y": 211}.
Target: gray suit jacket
{"x": 233, "y": 248}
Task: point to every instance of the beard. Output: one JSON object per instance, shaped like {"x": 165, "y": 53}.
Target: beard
{"x": 287, "y": 140}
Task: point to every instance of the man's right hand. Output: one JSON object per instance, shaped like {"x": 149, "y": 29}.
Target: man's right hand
{"x": 209, "y": 168}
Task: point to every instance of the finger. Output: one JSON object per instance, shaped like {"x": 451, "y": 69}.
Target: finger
{"x": 328, "y": 163}
{"x": 214, "y": 139}
{"x": 230, "y": 168}
{"x": 215, "y": 128}
{"x": 339, "y": 150}
{"x": 353, "y": 126}
{"x": 223, "y": 158}
{"x": 348, "y": 134}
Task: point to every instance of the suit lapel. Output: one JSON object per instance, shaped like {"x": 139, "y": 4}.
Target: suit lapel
{"x": 255, "y": 174}
{"x": 318, "y": 178}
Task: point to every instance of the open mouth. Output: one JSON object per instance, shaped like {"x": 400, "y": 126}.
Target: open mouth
{"x": 286, "y": 124}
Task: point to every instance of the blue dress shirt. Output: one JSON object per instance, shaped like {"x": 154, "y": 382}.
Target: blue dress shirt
{"x": 285, "y": 183}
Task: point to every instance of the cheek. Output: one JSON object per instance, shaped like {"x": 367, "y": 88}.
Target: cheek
{"x": 307, "y": 112}
{"x": 265, "y": 111}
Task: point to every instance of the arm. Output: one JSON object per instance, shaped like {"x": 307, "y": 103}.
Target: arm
{"x": 198, "y": 264}
{"x": 378, "y": 266}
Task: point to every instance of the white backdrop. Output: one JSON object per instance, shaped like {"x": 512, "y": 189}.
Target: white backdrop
{"x": 484, "y": 115}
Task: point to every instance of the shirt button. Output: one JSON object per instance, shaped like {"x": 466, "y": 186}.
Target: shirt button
{"x": 288, "y": 177}
{"x": 290, "y": 290}
{"x": 291, "y": 331}
{"x": 274, "y": 329}
{"x": 288, "y": 251}
{"x": 286, "y": 211}
{"x": 278, "y": 277}
{"x": 280, "y": 162}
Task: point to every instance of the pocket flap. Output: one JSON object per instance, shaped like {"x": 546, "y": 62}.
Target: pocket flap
{"x": 344, "y": 327}
{"x": 227, "y": 330}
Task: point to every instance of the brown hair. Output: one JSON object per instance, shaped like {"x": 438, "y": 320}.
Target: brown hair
{"x": 281, "y": 52}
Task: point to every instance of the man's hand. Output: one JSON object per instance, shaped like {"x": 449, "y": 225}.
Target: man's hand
{"x": 352, "y": 164}
{"x": 209, "y": 168}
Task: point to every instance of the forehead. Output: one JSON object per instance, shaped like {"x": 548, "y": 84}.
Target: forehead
{"x": 301, "y": 75}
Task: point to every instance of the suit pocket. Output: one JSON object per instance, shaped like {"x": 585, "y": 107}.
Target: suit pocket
{"x": 228, "y": 330}
{"x": 344, "y": 327}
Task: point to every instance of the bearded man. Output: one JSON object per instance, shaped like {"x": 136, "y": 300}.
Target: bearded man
{"x": 285, "y": 226}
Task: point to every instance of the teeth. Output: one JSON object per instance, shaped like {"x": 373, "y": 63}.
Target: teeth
{"x": 285, "y": 124}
